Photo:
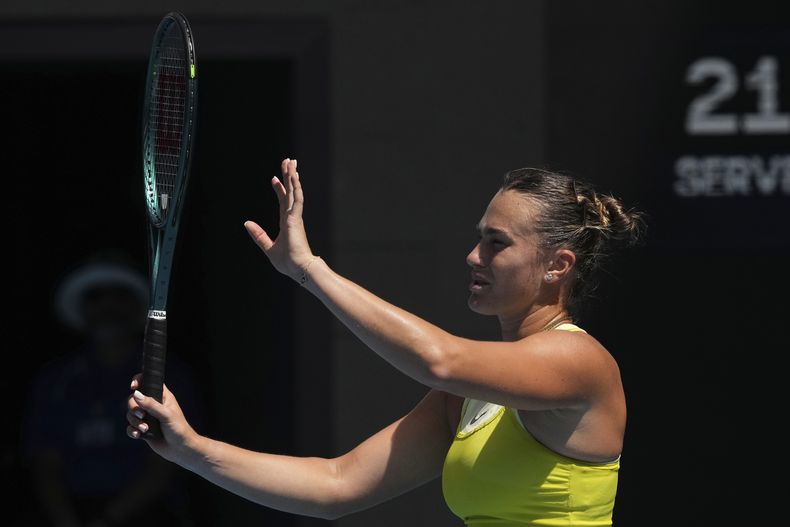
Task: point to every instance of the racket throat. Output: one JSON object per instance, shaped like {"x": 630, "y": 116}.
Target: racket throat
{"x": 162, "y": 247}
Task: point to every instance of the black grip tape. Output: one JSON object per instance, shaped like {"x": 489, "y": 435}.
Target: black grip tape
{"x": 153, "y": 377}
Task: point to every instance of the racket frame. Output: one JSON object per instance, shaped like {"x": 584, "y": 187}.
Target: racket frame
{"x": 163, "y": 227}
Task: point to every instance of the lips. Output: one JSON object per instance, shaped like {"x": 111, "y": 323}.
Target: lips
{"x": 478, "y": 283}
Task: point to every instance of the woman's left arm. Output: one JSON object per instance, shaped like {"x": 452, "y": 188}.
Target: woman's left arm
{"x": 548, "y": 370}
{"x": 553, "y": 369}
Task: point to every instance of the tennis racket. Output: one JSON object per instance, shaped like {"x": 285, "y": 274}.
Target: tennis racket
{"x": 168, "y": 123}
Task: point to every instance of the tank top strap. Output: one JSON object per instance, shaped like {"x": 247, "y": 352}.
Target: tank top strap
{"x": 569, "y": 326}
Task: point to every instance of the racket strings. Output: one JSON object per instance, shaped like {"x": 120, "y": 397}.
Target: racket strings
{"x": 167, "y": 115}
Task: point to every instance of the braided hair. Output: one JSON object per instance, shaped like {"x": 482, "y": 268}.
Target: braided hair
{"x": 572, "y": 215}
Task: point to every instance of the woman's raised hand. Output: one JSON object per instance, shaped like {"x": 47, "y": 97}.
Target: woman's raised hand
{"x": 289, "y": 253}
{"x": 178, "y": 436}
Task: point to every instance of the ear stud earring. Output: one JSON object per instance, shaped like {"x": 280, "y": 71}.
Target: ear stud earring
{"x": 549, "y": 277}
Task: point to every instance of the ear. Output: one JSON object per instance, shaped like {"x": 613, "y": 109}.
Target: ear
{"x": 560, "y": 265}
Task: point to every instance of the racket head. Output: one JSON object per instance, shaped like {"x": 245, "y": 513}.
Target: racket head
{"x": 168, "y": 118}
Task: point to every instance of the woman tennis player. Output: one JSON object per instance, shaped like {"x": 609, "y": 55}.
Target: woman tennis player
{"x": 523, "y": 431}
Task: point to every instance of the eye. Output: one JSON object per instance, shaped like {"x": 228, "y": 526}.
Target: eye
{"x": 498, "y": 244}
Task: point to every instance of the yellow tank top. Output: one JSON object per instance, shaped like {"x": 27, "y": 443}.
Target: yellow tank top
{"x": 497, "y": 474}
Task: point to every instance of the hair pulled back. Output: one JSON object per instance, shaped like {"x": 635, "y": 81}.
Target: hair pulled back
{"x": 572, "y": 215}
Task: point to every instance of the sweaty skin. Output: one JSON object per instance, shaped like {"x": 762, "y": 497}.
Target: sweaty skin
{"x": 565, "y": 384}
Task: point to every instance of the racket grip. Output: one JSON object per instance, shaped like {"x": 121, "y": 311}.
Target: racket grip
{"x": 153, "y": 375}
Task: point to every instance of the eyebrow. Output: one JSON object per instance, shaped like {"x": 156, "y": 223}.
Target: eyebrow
{"x": 490, "y": 230}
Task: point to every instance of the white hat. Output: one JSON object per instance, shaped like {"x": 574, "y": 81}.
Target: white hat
{"x": 69, "y": 296}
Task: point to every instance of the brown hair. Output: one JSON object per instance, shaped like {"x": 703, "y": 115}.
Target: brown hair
{"x": 571, "y": 214}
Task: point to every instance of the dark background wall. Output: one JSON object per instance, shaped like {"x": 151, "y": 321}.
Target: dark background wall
{"x": 404, "y": 115}
{"x": 694, "y": 317}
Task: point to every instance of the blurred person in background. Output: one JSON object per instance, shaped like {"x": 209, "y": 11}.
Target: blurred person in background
{"x": 84, "y": 470}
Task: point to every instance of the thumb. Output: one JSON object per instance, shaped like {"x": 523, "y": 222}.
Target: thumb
{"x": 149, "y": 404}
{"x": 258, "y": 235}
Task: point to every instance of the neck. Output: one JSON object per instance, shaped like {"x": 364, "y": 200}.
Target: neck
{"x": 534, "y": 321}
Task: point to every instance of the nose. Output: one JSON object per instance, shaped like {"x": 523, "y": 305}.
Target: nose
{"x": 473, "y": 258}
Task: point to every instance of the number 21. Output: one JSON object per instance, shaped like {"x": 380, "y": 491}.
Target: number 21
{"x": 700, "y": 117}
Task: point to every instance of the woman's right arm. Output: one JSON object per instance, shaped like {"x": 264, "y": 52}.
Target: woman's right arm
{"x": 402, "y": 456}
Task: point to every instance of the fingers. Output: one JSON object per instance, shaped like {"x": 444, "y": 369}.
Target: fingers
{"x": 134, "y": 411}
{"x": 136, "y": 424}
{"x": 282, "y": 195}
{"x": 258, "y": 235}
{"x": 135, "y": 415}
{"x": 281, "y": 187}
{"x": 132, "y": 432}
{"x": 298, "y": 204}
{"x": 290, "y": 170}
{"x": 284, "y": 188}
{"x": 150, "y": 405}
{"x": 290, "y": 198}
{"x": 140, "y": 406}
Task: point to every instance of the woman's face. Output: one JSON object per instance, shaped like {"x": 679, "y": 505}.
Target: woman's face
{"x": 507, "y": 264}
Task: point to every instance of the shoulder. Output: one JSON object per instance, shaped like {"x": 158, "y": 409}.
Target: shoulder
{"x": 573, "y": 344}
{"x": 574, "y": 350}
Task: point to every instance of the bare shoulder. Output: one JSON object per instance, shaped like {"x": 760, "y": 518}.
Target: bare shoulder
{"x": 575, "y": 350}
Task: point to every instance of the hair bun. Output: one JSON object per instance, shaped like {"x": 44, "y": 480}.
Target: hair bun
{"x": 572, "y": 215}
{"x": 617, "y": 222}
{"x": 607, "y": 215}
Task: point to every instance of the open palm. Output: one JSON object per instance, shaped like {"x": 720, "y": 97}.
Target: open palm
{"x": 289, "y": 252}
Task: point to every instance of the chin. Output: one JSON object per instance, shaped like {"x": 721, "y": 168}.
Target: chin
{"x": 479, "y": 306}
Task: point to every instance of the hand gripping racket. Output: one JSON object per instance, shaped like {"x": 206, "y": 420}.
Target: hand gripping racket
{"x": 168, "y": 122}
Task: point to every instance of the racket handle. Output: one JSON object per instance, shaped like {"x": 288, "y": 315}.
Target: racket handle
{"x": 153, "y": 376}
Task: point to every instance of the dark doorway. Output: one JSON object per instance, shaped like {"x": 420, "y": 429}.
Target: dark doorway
{"x": 235, "y": 323}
